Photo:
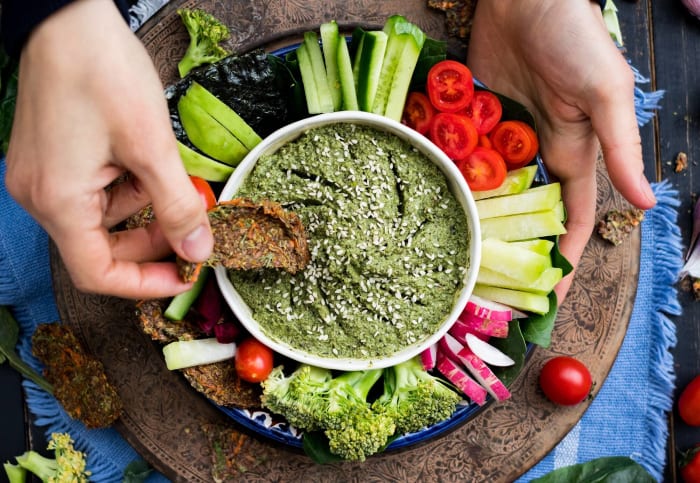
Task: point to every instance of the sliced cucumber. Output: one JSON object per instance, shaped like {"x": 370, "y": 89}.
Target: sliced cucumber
{"x": 392, "y": 56}
{"x": 541, "y": 198}
{"x": 524, "y": 226}
{"x": 224, "y": 115}
{"x": 330, "y": 40}
{"x": 543, "y": 285}
{"x": 318, "y": 70}
{"x": 368, "y": 67}
{"x": 197, "y": 164}
{"x": 538, "y": 245}
{"x": 181, "y": 303}
{"x": 347, "y": 81}
{"x": 308, "y": 80}
{"x": 527, "y": 301}
{"x": 516, "y": 181}
{"x": 208, "y": 135}
{"x": 513, "y": 261}
{"x": 413, "y": 38}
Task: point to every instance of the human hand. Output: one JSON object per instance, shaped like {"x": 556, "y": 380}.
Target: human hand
{"x": 557, "y": 59}
{"x": 90, "y": 107}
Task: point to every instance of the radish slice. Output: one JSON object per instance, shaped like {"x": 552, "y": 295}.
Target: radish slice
{"x": 450, "y": 347}
{"x": 487, "y": 309}
{"x": 459, "y": 331}
{"x": 490, "y": 327}
{"x": 488, "y": 353}
{"x": 483, "y": 374}
{"x": 461, "y": 380}
{"x": 429, "y": 357}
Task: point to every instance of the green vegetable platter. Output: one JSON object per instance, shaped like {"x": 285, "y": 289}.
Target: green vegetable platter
{"x": 269, "y": 90}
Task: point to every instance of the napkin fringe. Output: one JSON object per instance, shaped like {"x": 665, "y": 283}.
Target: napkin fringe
{"x": 645, "y": 103}
{"x": 667, "y": 256}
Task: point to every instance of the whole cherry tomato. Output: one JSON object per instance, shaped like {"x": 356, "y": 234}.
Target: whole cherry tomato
{"x": 204, "y": 190}
{"x": 689, "y": 403}
{"x": 253, "y": 360}
{"x": 418, "y": 112}
{"x": 565, "y": 380}
{"x": 690, "y": 466}
{"x": 450, "y": 86}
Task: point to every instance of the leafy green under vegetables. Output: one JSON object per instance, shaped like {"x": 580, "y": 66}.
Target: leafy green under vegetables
{"x": 9, "y": 334}
{"x": 617, "y": 469}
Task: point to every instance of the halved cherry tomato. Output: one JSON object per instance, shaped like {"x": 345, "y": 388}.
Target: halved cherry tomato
{"x": 418, "y": 112}
{"x": 485, "y": 111}
{"x": 253, "y": 360}
{"x": 454, "y": 134}
{"x": 484, "y": 169}
{"x": 565, "y": 380}
{"x": 516, "y": 141}
{"x": 690, "y": 465}
{"x": 485, "y": 142}
{"x": 204, "y": 190}
{"x": 450, "y": 86}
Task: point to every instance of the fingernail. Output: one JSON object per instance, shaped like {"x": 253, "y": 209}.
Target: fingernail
{"x": 646, "y": 189}
{"x": 198, "y": 244}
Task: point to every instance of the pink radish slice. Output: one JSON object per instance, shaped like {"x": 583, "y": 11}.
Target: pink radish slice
{"x": 487, "y": 309}
{"x": 429, "y": 357}
{"x": 449, "y": 347}
{"x": 462, "y": 381}
{"x": 483, "y": 374}
{"x": 490, "y": 327}
{"x": 488, "y": 353}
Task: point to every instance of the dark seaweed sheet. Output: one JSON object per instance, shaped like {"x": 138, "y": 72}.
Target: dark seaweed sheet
{"x": 246, "y": 83}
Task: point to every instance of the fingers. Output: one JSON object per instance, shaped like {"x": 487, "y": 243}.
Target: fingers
{"x": 615, "y": 123}
{"x": 123, "y": 200}
{"x": 96, "y": 270}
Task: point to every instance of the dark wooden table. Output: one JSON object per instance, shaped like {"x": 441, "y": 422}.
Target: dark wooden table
{"x": 663, "y": 41}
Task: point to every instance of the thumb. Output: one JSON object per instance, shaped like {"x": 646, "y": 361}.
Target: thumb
{"x": 615, "y": 123}
{"x": 177, "y": 206}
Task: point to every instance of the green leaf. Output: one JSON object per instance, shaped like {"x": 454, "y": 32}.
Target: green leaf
{"x": 513, "y": 346}
{"x": 136, "y": 472}
{"x": 9, "y": 334}
{"x": 538, "y": 328}
{"x": 315, "y": 445}
{"x": 618, "y": 469}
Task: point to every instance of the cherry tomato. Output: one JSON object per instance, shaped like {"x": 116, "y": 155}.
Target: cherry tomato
{"x": 253, "y": 360}
{"x": 516, "y": 141}
{"x": 690, "y": 465}
{"x": 485, "y": 142}
{"x": 454, "y": 134}
{"x": 689, "y": 403}
{"x": 484, "y": 169}
{"x": 565, "y": 380}
{"x": 450, "y": 86}
{"x": 204, "y": 190}
{"x": 418, "y": 112}
{"x": 485, "y": 111}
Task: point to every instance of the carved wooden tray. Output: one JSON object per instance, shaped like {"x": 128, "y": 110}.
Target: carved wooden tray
{"x": 163, "y": 416}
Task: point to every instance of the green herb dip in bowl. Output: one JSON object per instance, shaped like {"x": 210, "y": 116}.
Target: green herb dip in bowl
{"x": 393, "y": 233}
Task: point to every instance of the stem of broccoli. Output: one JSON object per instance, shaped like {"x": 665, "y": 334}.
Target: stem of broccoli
{"x": 41, "y": 466}
{"x": 15, "y": 473}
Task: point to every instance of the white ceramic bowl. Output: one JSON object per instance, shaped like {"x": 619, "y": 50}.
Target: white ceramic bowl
{"x": 457, "y": 185}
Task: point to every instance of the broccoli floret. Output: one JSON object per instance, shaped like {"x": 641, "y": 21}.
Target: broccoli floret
{"x": 301, "y": 397}
{"x": 354, "y": 431}
{"x": 67, "y": 465}
{"x": 206, "y": 32}
{"x": 312, "y": 399}
{"x": 414, "y": 398}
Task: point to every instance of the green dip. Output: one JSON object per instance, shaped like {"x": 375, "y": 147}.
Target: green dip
{"x": 388, "y": 241}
